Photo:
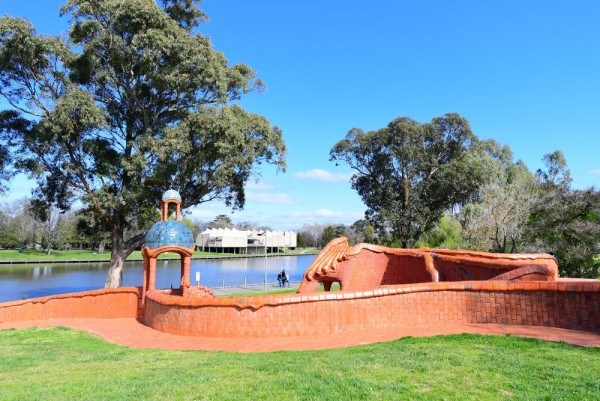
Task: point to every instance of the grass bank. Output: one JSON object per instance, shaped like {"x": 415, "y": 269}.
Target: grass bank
{"x": 50, "y": 364}
{"x": 334, "y": 287}
{"x": 87, "y": 255}
{"x": 257, "y": 293}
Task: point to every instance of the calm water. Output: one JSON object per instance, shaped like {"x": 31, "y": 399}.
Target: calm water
{"x": 37, "y": 280}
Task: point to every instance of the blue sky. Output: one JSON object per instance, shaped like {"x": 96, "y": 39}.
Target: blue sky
{"x": 526, "y": 74}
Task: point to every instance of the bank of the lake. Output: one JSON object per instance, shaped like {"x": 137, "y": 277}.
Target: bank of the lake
{"x": 22, "y": 281}
{"x": 28, "y": 256}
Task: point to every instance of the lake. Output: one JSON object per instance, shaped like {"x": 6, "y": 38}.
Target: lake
{"x": 38, "y": 280}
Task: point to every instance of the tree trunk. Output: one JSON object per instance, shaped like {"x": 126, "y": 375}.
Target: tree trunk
{"x": 101, "y": 247}
{"x": 120, "y": 250}
{"x": 118, "y": 254}
{"x": 114, "y": 277}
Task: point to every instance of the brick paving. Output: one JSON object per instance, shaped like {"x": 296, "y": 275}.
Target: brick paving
{"x": 129, "y": 332}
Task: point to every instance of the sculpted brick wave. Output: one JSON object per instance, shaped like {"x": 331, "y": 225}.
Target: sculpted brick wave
{"x": 366, "y": 266}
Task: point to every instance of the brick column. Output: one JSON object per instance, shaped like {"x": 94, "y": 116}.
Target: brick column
{"x": 152, "y": 275}
{"x": 185, "y": 274}
{"x": 164, "y": 211}
{"x": 145, "y": 278}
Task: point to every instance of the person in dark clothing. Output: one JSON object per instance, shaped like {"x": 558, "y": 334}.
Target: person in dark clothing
{"x": 285, "y": 278}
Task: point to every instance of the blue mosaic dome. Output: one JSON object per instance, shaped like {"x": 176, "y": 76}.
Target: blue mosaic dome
{"x": 169, "y": 233}
{"x": 171, "y": 194}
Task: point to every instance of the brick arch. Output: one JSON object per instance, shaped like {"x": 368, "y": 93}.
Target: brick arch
{"x": 150, "y": 257}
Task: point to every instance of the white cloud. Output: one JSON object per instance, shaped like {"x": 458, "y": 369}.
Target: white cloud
{"x": 322, "y": 175}
{"x": 270, "y": 198}
{"x": 594, "y": 172}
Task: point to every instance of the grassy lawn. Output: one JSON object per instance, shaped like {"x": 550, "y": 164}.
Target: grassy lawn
{"x": 334, "y": 287}
{"x": 33, "y": 255}
{"x": 257, "y": 293}
{"x": 61, "y": 364}
{"x": 29, "y": 254}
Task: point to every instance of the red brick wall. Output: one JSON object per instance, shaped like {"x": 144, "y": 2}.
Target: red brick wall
{"x": 405, "y": 269}
{"x": 571, "y": 305}
{"x": 103, "y": 304}
{"x": 453, "y": 271}
{"x": 368, "y": 270}
{"x": 365, "y": 267}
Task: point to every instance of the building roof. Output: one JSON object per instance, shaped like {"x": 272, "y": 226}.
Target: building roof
{"x": 169, "y": 233}
{"x": 225, "y": 232}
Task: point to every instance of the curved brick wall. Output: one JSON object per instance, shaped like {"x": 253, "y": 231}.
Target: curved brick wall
{"x": 101, "y": 304}
{"x": 570, "y": 304}
{"x": 365, "y": 267}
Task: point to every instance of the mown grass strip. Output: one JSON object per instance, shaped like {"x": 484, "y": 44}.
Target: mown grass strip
{"x": 7, "y": 255}
{"x": 50, "y": 364}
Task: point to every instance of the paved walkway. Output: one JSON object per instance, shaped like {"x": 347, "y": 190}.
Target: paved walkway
{"x": 129, "y": 332}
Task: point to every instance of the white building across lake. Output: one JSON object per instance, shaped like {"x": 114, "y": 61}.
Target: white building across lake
{"x": 245, "y": 241}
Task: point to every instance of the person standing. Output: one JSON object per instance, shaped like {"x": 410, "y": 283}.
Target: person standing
{"x": 286, "y": 278}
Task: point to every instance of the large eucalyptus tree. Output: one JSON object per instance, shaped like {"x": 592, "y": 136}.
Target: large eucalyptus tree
{"x": 409, "y": 173}
{"x": 133, "y": 102}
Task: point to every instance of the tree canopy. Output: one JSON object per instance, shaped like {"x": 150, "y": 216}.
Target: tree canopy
{"x": 496, "y": 220}
{"x": 409, "y": 173}
{"x": 566, "y": 221}
{"x": 517, "y": 211}
{"x": 135, "y": 101}
{"x": 221, "y": 221}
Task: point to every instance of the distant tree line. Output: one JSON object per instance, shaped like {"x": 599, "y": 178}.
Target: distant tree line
{"x": 27, "y": 223}
{"x": 224, "y": 221}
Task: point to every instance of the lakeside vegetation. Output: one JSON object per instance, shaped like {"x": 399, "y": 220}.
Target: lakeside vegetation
{"x": 58, "y": 363}
{"x": 89, "y": 255}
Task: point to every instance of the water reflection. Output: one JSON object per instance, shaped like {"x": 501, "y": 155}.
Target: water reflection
{"x": 36, "y": 280}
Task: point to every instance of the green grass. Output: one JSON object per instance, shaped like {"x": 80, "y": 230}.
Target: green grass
{"x": 34, "y": 255}
{"x": 29, "y": 254}
{"x": 334, "y": 287}
{"x": 85, "y": 255}
{"x": 256, "y": 293}
{"x": 61, "y": 364}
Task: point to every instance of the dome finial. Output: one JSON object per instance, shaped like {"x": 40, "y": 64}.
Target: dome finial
{"x": 171, "y": 194}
